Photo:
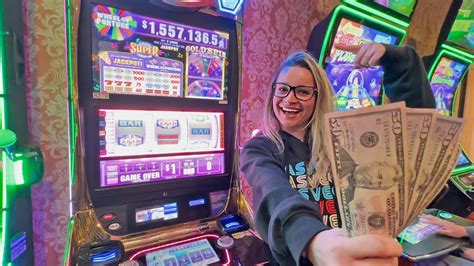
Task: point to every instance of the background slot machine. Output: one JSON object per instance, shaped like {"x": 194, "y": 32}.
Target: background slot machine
{"x": 354, "y": 23}
{"x": 153, "y": 126}
{"x": 21, "y": 165}
{"x": 447, "y": 69}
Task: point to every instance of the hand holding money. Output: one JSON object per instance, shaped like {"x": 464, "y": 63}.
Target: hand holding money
{"x": 333, "y": 247}
{"x": 388, "y": 163}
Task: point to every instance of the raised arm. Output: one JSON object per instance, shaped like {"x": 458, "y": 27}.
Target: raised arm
{"x": 405, "y": 77}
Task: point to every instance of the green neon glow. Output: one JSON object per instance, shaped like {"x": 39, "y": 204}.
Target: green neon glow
{"x": 449, "y": 54}
{"x": 4, "y": 237}
{"x": 371, "y": 10}
{"x": 461, "y": 53}
{"x": 2, "y": 113}
{"x": 73, "y": 127}
{"x": 2, "y": 56}
{"x": 463, "y": 169}
{"x": 68, "y": 242}
{"x": 5, "y": 170}
{"x": 18, "y": 173}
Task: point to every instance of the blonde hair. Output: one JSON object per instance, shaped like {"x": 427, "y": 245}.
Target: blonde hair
{"x": 325, "y": 103}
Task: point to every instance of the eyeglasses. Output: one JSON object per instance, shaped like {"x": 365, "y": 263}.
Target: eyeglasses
{"x": 302, "y": 93}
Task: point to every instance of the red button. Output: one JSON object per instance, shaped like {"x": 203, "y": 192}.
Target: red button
{"x": 107, "y": 216}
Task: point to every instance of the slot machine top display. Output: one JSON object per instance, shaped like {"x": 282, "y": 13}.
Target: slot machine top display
{"x": 139, "y": 55}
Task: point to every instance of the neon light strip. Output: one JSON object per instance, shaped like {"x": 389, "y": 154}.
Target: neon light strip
{"x": 458, "y": 51}
{"x": 5, "y": 166}
{"x": 68, "y": 243}
{"x": 72, "y": 127}
{"x": 463, "y": 169}
{"x": 379, "y": 13}
{"x": 142, "y": 252}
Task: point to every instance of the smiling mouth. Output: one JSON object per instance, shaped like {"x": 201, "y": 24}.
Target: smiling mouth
{"x": 289, "y": 110}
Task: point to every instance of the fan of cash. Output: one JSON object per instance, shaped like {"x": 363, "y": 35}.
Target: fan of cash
{"x": 389, "y": 163}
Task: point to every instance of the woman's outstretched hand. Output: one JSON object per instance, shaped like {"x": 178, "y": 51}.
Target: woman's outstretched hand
{"x": 332, "y": 247}
{"x": 447, "y": 228}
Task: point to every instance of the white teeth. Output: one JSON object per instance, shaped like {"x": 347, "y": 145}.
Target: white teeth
{"x": 290, "y": 110}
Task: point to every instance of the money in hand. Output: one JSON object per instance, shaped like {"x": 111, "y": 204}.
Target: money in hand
{"x": 367, "y": 153}
{"x": 388, "y": 163}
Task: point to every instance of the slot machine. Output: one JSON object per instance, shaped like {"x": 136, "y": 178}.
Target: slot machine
{"x": 153, "y": 131}
{"x": 352, "y": 23}
{"x": 452, "y": 60}
{"x": 21, "y": 165}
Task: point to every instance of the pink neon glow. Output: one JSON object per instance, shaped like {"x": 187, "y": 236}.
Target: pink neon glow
{"x": 142, "y": 252}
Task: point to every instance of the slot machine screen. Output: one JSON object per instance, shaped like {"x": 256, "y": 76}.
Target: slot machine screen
{"x": 161, "y": 212}
{"x": 199, "y": 252}
{"x": 126, "y": 133}
{"x": 139, "y": 55}
{"x": 403, "y": 7}
{"x": 462, "y": 160}
{"x": 418, "y": 232}
{"x": 445, "y": 80}
{"x": 462, "y": 31}
{"x": 355, "y": 88}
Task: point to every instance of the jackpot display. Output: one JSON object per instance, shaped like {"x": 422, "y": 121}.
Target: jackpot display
{"x": 139, "y": 55}
{"x": 462, "y": 31}
{"x": 355, "y": 88}
{"x": 444, "y": 82}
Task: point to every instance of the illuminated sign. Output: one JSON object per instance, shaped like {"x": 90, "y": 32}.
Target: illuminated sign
{"x": 230, "y": 6}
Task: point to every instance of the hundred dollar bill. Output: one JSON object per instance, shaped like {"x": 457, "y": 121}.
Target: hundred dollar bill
{"x": 443, "y": 140}
{"x": 367, "y": 153}
{"x": 419, "y": 124}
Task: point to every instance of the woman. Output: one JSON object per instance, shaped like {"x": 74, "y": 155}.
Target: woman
{"x": 287, "y": 165}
